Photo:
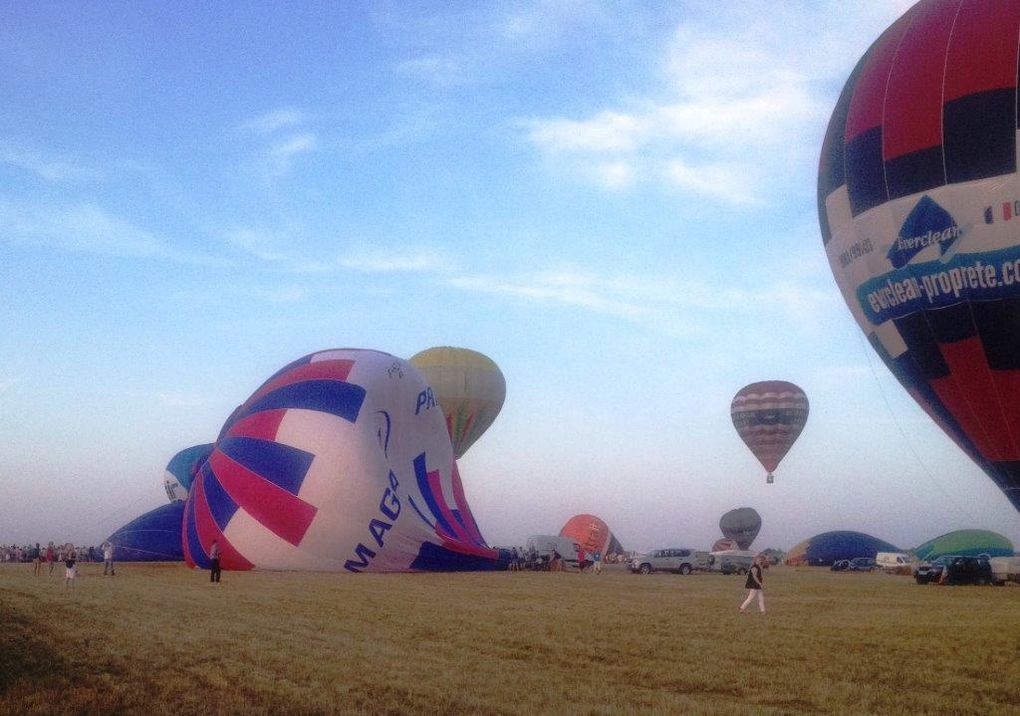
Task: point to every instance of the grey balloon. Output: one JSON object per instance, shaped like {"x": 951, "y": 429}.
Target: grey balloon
{"x": 741, "y": 525}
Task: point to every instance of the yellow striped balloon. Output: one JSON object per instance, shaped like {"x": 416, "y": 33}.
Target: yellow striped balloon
{"x": 470, "y": 389}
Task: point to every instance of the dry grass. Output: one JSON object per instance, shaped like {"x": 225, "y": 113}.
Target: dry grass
{"x": 161, "y": 639}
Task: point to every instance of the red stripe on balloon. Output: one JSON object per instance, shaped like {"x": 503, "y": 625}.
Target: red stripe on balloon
{"x": 867, "y": 104}
{"x": 464, "y": 510}
{"x": 263, "y": 426}
{"x": 970, "y": 394}
{"x": 319, "y": 370}
{"x": 436, "y": 487}
{"x": 983, "y": 49}
{"x": 279, "y": 511}
{"x": 208, "y": 531}
{"x": 912, "y": 115}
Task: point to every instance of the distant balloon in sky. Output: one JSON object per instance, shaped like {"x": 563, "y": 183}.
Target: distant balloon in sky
{"x": 592, "y": 534}
{"x": 338, "y": 462}
{"x": 919, "y": 206}
{"x": 769, "y": 417}
{"x": 741, "y": 525}
{"x": 181, "y": 470}
{"x": 153, "y": 537}
{"x": 470, "y": 389}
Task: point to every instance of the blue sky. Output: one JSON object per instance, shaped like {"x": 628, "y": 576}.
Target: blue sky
{"x": 616, "y": 202}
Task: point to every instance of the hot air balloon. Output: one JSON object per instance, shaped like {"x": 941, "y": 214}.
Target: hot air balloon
{"x": 181, "y": 470}
{"x": 725, "y": 545}
{"x": 152, "y": 537}
{"x": 592, "y": 534}
{"x": 828, "y": 547}
{"x": 337, "y": 462}
{"x": 470, "y": 389}
{"x": 741, "y": 525}
{"x": 918, "y": 202}
{"x": 966, "y": 543}
{"x": 768, "y": 417}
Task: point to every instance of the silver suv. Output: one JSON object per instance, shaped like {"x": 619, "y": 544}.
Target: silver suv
{"x": 678, "y": 560}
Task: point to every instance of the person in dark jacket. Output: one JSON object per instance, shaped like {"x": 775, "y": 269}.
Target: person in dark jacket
{"x": 755, "y": 585}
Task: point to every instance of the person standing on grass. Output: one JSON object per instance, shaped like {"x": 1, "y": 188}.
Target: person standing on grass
{"x": 755, "y": 585}
{"x": 108, "y": 559}
{"x": 214, "y": 559}
{"x": 596, "y": 562}
{"x": 71, "y": 570}
{"x": 37, "y": 561}
{"x": 50, "y": 556}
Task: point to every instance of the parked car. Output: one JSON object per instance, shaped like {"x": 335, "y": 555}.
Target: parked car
{"x": 677, "y": 559}
{"x": 969, "y": 570}
{"x": 861, "y": 564}
{"x": 840, "y": 565}
{"x": 931, "y": 571}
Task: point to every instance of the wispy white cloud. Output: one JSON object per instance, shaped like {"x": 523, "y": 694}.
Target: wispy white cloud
{"x": 736, "y": 102}
{"x": 436, "y": 70}
{"x": 179, "y": 400}
{"x": 88, "y": 228}
{"x": 6, "y": 383}
{"x": 271, "y": 122}
{"x": 51, "y": 169}
{"x": 403, "y": 260}
{"x": 673, "y": 305}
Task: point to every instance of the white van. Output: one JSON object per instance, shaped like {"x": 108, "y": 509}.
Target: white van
{"x": 1005, "y": 569}
{"x": 895, "y": 562}
{"x": 543, "y": 546}
{"x": 732, "y": 561}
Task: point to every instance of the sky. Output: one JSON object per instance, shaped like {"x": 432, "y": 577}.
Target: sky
{"x": 614, "y": 201}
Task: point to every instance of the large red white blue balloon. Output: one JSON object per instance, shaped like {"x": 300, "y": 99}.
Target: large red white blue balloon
{"x": 340, "y": 461}
{"x": 919, "y": 205}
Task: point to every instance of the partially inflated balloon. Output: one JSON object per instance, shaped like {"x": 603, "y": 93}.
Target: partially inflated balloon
{"x": 769, "y": 417}
{"x": 181, "y": 470}
{"x": 470, "y": 389}
{"x": 592, "y": 534}
{"x": 337, "y": 462}
{"x": 741, "y": 525}
{"x": 152, "y": 537}
{"x": 919, "y": 206}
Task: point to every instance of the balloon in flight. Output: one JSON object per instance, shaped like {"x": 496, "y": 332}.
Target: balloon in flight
{"x": 338, "y": 462}
{"x": 741, "y": 525}
{"x": 919, "y": 207}
{"x": 470, "y": 389}
{"x": 769, "y": 417}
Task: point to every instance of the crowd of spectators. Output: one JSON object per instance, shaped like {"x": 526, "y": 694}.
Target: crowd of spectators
{"x": 31, "y": 552}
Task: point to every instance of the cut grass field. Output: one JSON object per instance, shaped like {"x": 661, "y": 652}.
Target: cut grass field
{"x": 161, "y": 639}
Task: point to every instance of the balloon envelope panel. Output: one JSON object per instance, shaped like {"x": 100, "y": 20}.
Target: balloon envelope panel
{"x": 335, "y": 463}
{"x": 918, "y": 203}
{"x": 153, "y": 537}
{"x": 741, "y": 525}
{"x": 826, "y": 548}
{"x": 769, "y": 417}
{"x": 181, "y": 470}
{"x": 470, "y": 389}
{"x": 967, "y": 543}
{"x": 592, "y": 534}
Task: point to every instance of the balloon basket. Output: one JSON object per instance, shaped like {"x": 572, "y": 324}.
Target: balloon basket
{"x": 770, "y": 478}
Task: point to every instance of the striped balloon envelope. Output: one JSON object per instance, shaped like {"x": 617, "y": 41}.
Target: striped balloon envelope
{"x": 469, "y": 387}
{"x": 337, "y": 462}
{"x": 919, "y": 207}
{"x": 769, "y": 417}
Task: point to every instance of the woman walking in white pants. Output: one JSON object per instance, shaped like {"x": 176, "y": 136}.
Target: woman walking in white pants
{"x": 755, "y": 585}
